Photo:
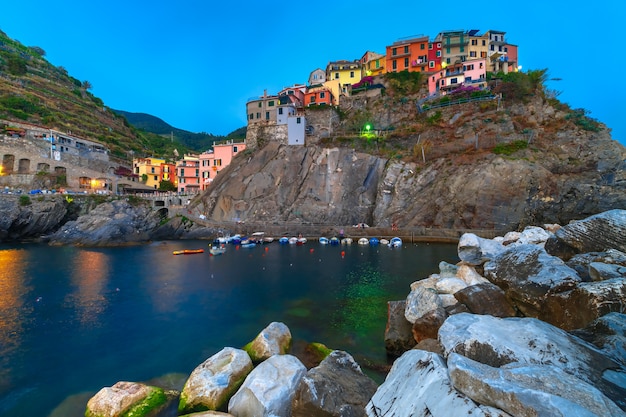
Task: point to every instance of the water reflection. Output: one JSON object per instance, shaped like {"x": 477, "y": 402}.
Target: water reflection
{"x": 90, "y": 277}
{"x": 12, "y": 304}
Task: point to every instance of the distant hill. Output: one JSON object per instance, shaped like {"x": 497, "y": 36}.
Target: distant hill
{"x": 196, "y": 141}
{"x": 34, "y": 91}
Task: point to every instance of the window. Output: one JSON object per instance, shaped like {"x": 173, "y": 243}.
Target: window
{"x": 251, "y": 116}
{"x": 258, "y": 115}
{"x": 322, "y": 94}
{"x": 182, "y": 172}
{"x": 377, "y": 64}
{"x": 484, "y": 42}
{"x": 394, "y": 64}
{"x": 394, "y": 51}
{"x": 235, "y": 149}
{"x": 422, "y": 46}
{"x": 271, "y": 103}
{"x": 260, "y": 104}
{"x": 439, "y": 45}
{"x": 453, "y": 80}
{"x": 447, "y": 60}
{"x": 492, "y": 47}
{"x": 336, "y": 75}
{"x": 280, "y": 110}
{"x": 406, "y": 62}
{"x": 156, "y": 177}
{"x": 472, "y": 54}
{"x": 406, "y": 49}
{"x": 298, "y": 120}
{"x": 197, "y": 173}
{"x": 267, "y": 115}
{"x": 438, "y": 54}
{"x": 483, "y": 54}
{"x": 152, "y": 170}
{"x": 351, "y": 74}
{"x": 430, "y": 46}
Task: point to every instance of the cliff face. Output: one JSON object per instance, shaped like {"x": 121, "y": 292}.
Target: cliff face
{"x": 561, "y": 172}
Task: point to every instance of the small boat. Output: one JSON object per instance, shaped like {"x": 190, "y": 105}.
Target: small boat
{"x": 364, "y": 241}
{"x": 217, "y": 250}
{"x": 235, "y": 240}
{"x": 188, "y": 251}
{"x": 283, "y": 240}
{"x": 301, "y": 241}
{"x": 384, "y": 241}
{"x": 268, "y": 239}
{"x": 248, "y": 244}
{"x": 334, "y": 241}
{"x": 374, "y": 241}
{"x": 395, "y": 242}
{"x": 293, "y": 240}
{"x": 257, "y": 237}
{"x": 324, "y": 240}
{"x": 346, "y": 241}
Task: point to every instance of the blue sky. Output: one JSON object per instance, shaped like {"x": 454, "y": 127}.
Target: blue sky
{"x": 195, "y": 63}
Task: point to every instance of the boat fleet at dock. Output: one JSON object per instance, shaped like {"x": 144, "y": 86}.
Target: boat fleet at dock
{"x": 218, "y": 246}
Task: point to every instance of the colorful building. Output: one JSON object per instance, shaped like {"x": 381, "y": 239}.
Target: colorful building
{"x": 434, "y": 56}
{"x": 188, "y": 174}
{"x": 340, "y": 75}
{"x": 153, "y": 171}
{"x": 409, "y": 54}
{"x": 262, "y": 109}
{"x": 372, "y": 64}
{"x": 213, "y": 161}
{"x": 454, "y": 46}
{"x": 471, "y": 72}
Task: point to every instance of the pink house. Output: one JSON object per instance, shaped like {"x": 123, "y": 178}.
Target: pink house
{"x": 471, "y": 72}
{"x": 213, "y": 161}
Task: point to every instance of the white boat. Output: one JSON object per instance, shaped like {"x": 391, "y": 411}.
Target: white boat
{"x": 346, "y": 241}
{"x": 324, "y": 240}
{"x": 395, "y": 242}
{"x": 301, "y": 241}
{"x": 293, "y": 240}
{"x": 384, "y": 241}
{"x": 364, "y": 241}
{"x": 258, "y": 237}
{"x": 217, "y": 250}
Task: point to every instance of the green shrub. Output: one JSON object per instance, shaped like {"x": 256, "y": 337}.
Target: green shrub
{"x": 580, "y": 119}
{"x": 510, "y": 148}
{"x": 25, "y": 200}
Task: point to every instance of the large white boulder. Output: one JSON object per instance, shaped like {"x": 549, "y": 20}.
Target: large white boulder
{"x": 211, "y": 384}
{"x": 275, "y": 339}
{"x": 418, "y": 385}
{"x": 269, "y": 388}
{"x": 525, "y": 390}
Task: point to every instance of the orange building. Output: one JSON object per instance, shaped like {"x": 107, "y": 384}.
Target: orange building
{"x": 410, "y": 54}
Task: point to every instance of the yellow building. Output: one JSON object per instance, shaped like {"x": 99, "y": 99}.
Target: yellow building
{"x": 478, "y": 45}
{"x": 340, "y": 75}
{"x": 151, "y": 168}
{"x": 372, "y": 64}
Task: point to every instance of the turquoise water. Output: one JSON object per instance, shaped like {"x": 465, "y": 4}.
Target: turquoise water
{"x": 74, "y": 320}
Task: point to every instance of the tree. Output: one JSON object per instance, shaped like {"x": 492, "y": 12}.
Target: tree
{"x": 167, "y": 186}
{"x": 87, "y": 85}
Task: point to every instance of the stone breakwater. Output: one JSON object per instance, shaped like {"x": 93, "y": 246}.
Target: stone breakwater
{"x": 531, "y": 323}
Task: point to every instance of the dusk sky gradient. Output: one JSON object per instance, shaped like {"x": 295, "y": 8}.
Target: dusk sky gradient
{"x": 195, "y": 63}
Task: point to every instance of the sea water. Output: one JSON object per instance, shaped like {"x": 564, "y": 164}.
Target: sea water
{"x": 75, "y": 320}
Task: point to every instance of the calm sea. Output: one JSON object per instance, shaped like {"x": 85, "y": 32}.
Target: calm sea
{"x": 74, "y": 320}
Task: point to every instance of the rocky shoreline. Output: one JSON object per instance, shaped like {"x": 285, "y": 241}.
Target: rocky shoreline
{"x": 531, "y": 323}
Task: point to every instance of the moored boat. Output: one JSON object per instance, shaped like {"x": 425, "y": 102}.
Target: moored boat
{"x": 217, "y": 249}
{"x": 384, "y": 241}
{"x": 334, "y": 241}
{"x": 374, "y": 241}
{"x": 324, "y": 240}
{"x": 188, "y": 251}
{"x": 364, "y": 241}
{"x": 395, "y": 242}
{"x": 283, "y": 240}
{"x": 346, "y": 241}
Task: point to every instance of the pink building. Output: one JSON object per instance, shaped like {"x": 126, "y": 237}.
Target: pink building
{"x": 471, "y": 72}
{"x": 213, "y": 161}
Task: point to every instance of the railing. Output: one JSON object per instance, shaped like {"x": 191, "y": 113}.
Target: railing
{"x": 421, "y": 107}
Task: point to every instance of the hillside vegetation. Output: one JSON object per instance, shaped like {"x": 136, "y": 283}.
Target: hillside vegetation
{"x": 34, "y": 91}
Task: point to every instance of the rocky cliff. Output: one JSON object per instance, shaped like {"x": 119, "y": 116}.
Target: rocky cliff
{"x": 464, "y": 167}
